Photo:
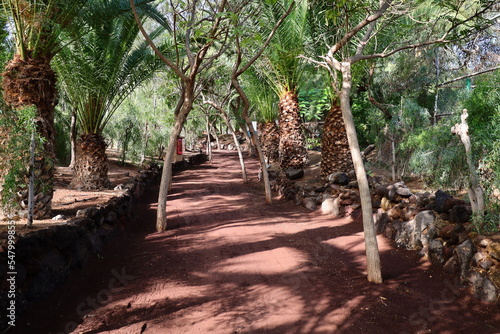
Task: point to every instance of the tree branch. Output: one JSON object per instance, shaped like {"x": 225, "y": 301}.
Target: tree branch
{"x": 357, "y": 57}
{"x": 371, "y": 18}
{"x": 268, "y": 40}
{"x": 167, "y": 61}
{"x": 469, "y": 76}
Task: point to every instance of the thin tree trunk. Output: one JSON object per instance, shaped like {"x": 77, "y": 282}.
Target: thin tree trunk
{"x": 209, "y": 142}
{"x": 255, "y": 139}
{"x": 436, "y": 97}
{"x": 235, "y": 139}
{"x": 31, "y": 186}
{"x": 145, "y": 140}
{"x": 73, "y": 138}
{"x": 214, "y": 130}
{"x": 240, "y": 152}
{"x": 372, "y": 252}
{"x": 183, "y": 107}
{"x": 393, "y": 154}
{"x": 248, "y": 137}
{"x": 476, "y": 193}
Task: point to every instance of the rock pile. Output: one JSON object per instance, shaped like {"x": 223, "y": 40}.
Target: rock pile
{"x": 437, "y": 225}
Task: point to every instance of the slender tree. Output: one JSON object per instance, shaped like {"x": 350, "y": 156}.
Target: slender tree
{"x": 225, "y": 115}
{"x": 200, "y": 33}
{"x": 450, "y": 21}
{"x": 241, "y": 67}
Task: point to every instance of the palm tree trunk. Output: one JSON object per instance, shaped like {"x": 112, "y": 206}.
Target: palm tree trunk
{"x": 292, "y": 150}
{"x": 269, "y": 136}
{"x": 91, "y": 166}
{"x": 32, "y": 82}
{"x": 335, "y": 154}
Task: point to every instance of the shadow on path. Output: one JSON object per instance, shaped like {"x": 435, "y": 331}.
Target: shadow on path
{"x": 230, "y": 263}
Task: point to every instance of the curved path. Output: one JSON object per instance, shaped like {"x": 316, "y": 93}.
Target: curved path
{"x": 232, "y": 264}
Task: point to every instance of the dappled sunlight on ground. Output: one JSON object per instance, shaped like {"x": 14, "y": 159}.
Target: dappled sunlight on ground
{"x": 230, "y": 263}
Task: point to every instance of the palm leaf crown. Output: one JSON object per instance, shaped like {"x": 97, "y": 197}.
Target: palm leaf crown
{"x": 39, "y": 24}
{"x": 101, "y": 68}
{"x": 281, "y": 64}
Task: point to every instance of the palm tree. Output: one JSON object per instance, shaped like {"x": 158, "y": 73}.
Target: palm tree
{"x": 97, "y": 73}
{"x": 28, "y": 79}
{"x": 283, "y": 69}
{"x": 335, "y": 154}
{"x": 264, "y": 102}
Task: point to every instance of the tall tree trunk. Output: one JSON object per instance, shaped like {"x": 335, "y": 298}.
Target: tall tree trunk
{"x": 235, "y": 138}
{"x": 372, "y": 252}
{"x": 145, "y": 141}
{"x": 254, "y": 137}
{"x": 335, "y": 153}
{"x": 292, "y": 150}
{"x": 475, "y": 191}
{"x": 182, "y": 111}
{"x": 91, "y": 165}
{"x": 73, "y": 134}
{"x": 238, "y": 148}
{"x": 33, "y": 83}
{"x": 248, "y": 138}
{"x": 209, "y": 141}
{"x": 216, "y": 135}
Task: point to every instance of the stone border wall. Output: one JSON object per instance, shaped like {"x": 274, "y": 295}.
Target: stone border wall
{"x": 436, "y": 225}
{"x": 45, "y": 258}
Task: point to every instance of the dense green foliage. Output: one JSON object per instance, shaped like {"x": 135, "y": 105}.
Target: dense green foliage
{"x": 108, "y": 74}
{"x": 17, "y": 128}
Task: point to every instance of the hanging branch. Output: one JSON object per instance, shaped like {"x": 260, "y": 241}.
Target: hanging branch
{"x": 468, "y": 76}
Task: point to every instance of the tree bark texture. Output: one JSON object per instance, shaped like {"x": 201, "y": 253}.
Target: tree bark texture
{"x": 33, "y": 83}
{"x": 292, "y": 150}
{"x": 269, "y": 136}
{"x": 372, "y": 252}
{"x": 91, "y": 165}
{"x": 476, "y": 193}
{"x": 166, "y": 176}
{"x": 335, "y": 153}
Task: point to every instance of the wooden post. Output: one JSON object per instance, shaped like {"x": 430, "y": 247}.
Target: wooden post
{"x": 31, "y": 186}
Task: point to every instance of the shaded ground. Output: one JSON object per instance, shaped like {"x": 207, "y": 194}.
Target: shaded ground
{"x": 232, "y": 264}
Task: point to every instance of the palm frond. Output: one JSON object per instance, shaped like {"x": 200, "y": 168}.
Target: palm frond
{"x": 38, "y": 25}
{"x": 104, "y": 66}
{"x": 280, "y": 63}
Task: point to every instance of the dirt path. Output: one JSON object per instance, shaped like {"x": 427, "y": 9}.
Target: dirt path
{"x": 232, "y": 264}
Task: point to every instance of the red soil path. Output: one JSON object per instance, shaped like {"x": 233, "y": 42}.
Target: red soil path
{"x": 232, "y": 264}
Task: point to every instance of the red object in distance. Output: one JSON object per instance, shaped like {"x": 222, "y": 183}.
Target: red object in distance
{"x": 179, "y": 146}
